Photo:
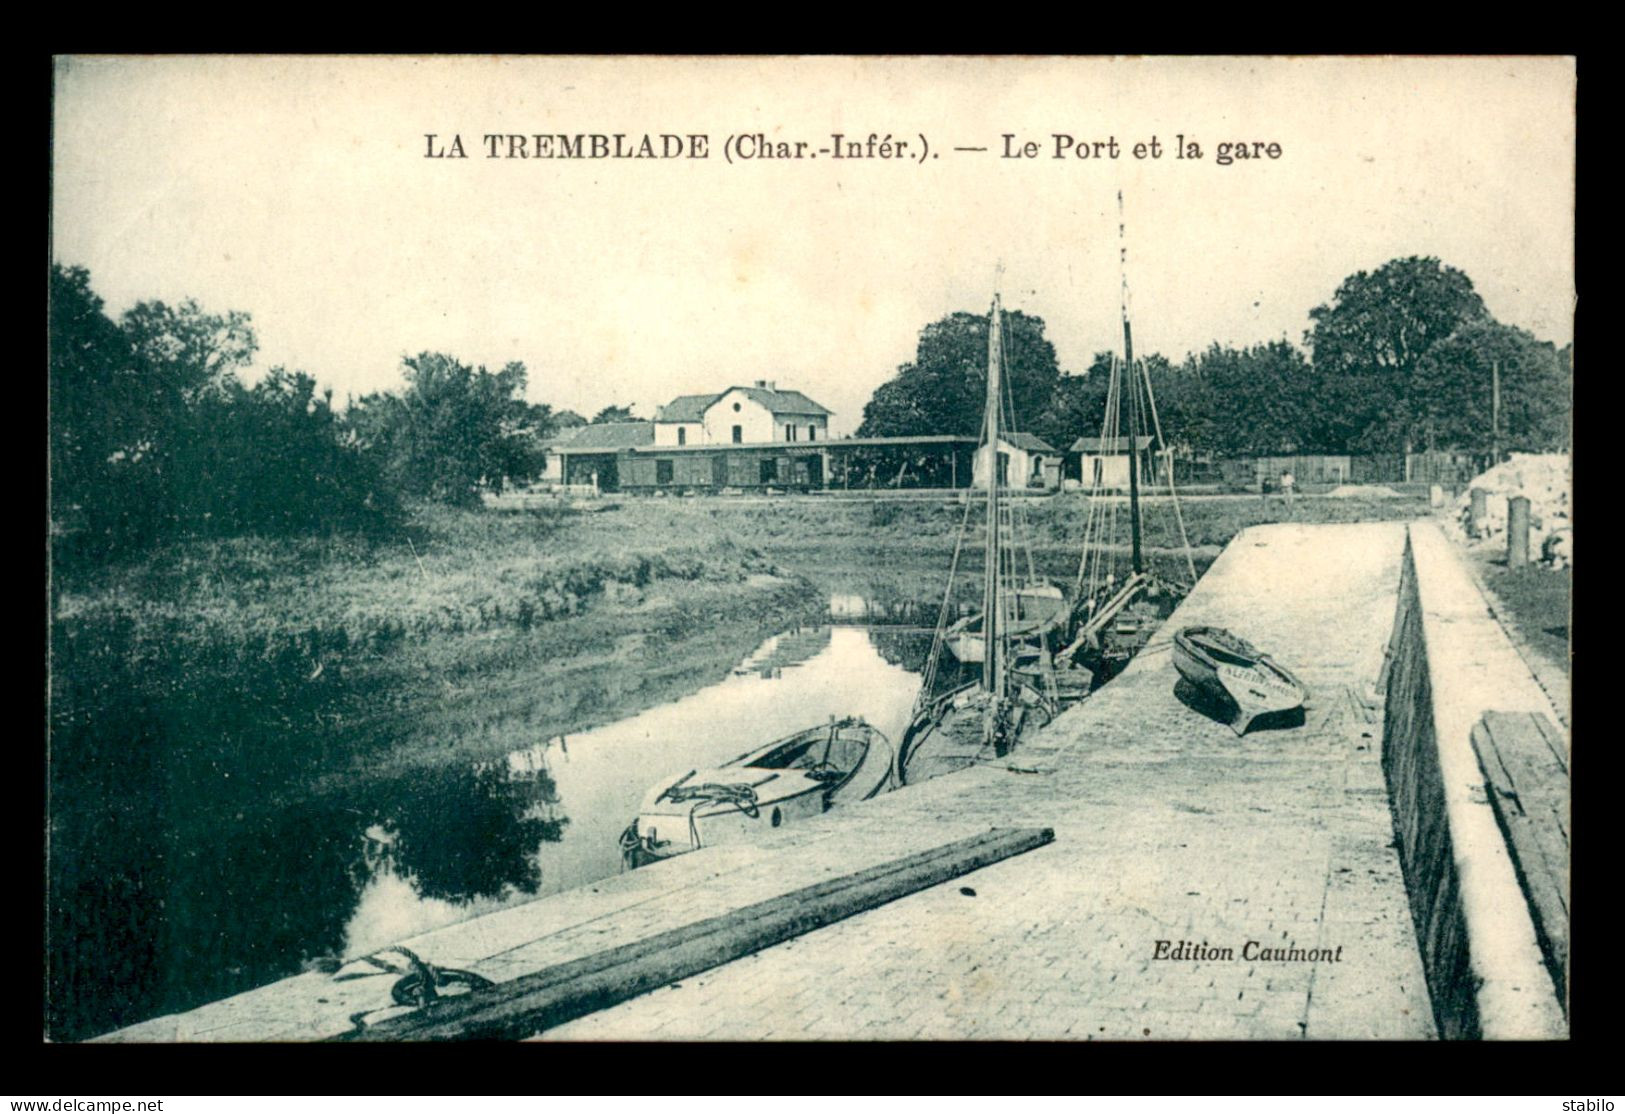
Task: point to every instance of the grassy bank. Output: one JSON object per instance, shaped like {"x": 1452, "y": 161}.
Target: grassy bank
{"x": 464, "y": 637}
{"x": 1537, "y": 601}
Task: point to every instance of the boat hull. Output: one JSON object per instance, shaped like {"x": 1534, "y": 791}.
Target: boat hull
{"x": 1072, "y": 682}
{"x": 1245, "y": 684}
{"x": 1036, "y": 610}
{"x": 949, "y": 733}
{"x": 788, "y": 780}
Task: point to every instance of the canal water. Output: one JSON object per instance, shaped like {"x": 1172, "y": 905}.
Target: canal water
{"x": 173, "y": 893}
{"x": 592, "y": 782}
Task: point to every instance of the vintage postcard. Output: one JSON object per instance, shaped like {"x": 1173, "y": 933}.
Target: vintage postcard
{"x": 784, "y": 548}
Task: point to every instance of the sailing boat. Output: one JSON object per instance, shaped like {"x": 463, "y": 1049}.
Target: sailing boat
{"x": 983, "y": 718}
{"x": 1113, "y": 617}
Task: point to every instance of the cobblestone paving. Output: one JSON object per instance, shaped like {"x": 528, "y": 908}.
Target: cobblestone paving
{"x": 1168, "y": 828}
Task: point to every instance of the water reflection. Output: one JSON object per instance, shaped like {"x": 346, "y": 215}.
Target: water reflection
{"x": 470, "y": 832}
{"x": 455, "y": 843}
{"x": 783, "y": 651}
{"x": 599, "y": 777}
{"x": 184, "y": 869}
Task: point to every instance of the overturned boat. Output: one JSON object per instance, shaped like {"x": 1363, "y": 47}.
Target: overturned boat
{"x": 1244, "y": 684}
{"x": 790, "y": 779}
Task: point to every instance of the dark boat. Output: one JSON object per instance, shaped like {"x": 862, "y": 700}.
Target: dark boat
{"x": 1115, "y": 611}
{"x": 984, "y": 718}
{"x": 789, "y": 779}
{"x": 1242, "y": 681}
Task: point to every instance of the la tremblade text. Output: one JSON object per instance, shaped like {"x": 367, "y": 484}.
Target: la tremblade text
{"x": 1253, "y": 951}
{"x": 573, "y": 147}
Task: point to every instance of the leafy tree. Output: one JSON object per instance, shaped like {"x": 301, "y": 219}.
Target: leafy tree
{"x": 1077, "y": 405}
{"x": 943, "y": 390}
{"x": 154, "y": 435}
{"x": 613, "y": 414}
{"x": 1186, "y": 404}
{"x": 1455, "y": 380}
{"x": 1242, "y": 401}
{"x": 1368, "y": 342}
{"x": 94, "y": 391}
{"x": 567, "y": 419}
{"x": 275, "y": 461}
{"x": 454, "y": 430}
{"x": 184, "y": 353}
{"x": 129, "y": 403}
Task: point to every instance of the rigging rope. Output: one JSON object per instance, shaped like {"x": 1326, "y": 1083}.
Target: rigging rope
{"x": 929, "y": 675}
{"x": 1019, "y": 526}
{"x": 420, "y": 983}
{"x": 1168, "y": 455}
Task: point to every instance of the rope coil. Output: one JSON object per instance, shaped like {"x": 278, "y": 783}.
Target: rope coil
{"x": 742, "y": 797}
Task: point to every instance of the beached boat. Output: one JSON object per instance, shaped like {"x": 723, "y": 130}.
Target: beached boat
{"x": 1244, "y": 683}
{"x": 984, "y": 718}
{"x": 787, "y": 780}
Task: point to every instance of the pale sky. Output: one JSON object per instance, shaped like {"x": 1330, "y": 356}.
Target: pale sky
{"x": 298, "y": 190}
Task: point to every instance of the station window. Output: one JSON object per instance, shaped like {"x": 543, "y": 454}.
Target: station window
{"x": 812, "y": 433}
{"x": 682, "y": 436}
{"x": 739, "y": 434}
{"x": 789, "y": 433}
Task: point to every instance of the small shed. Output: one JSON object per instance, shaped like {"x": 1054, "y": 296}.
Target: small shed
{"x": 1103, "y": 461}
{"x": 1025, "y": 460}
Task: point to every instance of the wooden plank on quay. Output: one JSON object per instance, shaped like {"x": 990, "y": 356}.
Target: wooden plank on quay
{"x": 526, "y": 1006}
{"x": 1526, "y": 765}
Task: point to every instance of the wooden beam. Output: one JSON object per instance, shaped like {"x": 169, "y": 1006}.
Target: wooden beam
{"x": 1525, "y": 762}
{"x": 526, "y": 1006}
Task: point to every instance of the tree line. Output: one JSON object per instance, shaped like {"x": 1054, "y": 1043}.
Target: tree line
{"x": 154, "y": 435}
{"x": 1403, "y": 358}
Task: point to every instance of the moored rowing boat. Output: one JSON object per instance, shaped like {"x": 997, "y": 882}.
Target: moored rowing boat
{"x": 792, "y": 778}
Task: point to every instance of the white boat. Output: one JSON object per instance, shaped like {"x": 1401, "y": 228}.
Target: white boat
{"x": 787, "y": 780}
{"x": 1031, "y": 611}
{"x": 1244, "y": 683}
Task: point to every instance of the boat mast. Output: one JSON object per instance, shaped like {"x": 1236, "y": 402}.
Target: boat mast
{"x": 992, "y": 663}
{"x": 1133, "y": 385}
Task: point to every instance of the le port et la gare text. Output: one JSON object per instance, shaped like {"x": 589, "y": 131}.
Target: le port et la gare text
{"x": 875, "y": 146}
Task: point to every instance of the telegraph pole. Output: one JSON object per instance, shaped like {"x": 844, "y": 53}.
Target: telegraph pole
{"x": 1495, "y": 412}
